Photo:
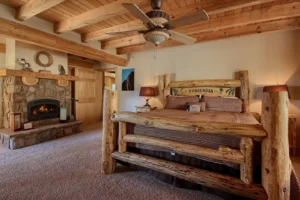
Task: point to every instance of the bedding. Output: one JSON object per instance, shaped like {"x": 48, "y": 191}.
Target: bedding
{"x": 201, "y": 104}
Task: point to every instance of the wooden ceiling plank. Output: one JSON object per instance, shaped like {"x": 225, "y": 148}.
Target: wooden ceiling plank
{"x": 36, "y": 37}
{"x": 255, "y": 28}
{"x": 128, "y": 41}
{"x": 137, "y": 24}
{"x": 172, "y": 4}
{"x": 95, "y": 15}
{"x": 34, "y": 7}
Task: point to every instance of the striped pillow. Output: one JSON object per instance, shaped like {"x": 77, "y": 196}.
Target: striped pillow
{"x": 223, "y": 104}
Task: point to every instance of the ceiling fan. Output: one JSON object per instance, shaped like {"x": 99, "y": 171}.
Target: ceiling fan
{"x": 159, "y": 24}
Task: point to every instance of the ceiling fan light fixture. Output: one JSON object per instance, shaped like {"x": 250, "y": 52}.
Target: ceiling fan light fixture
{"x": 156, "y": 37}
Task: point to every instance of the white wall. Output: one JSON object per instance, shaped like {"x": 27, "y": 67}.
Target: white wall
{"x": 28, "y": 52}
{"x": 270, "y": 58}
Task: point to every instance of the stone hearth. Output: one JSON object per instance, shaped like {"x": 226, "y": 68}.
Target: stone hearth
{"x": 16, "y": 96}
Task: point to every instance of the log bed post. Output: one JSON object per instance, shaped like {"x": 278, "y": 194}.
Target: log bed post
{"x": 246, "y": 146}
{"x": 244, "y": 90}
{"x": 109, "y": 138}
{"x": 276, "y": 166}
{"x": 122, "y": 133}
{"x": 167, "y": 90}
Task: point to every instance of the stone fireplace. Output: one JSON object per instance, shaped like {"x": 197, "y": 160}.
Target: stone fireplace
{"x": 44, "y": 99}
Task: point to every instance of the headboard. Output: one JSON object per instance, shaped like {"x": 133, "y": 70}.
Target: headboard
{"x": 235, "y": 87}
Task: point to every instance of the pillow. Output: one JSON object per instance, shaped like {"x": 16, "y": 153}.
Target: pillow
{"x": 201, "y": 104}
{"x": 179, "y": 102}
{"x": 222, "y": 104}
{"x": 194, "y": 108}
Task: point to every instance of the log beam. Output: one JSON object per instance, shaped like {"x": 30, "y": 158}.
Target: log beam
{"x": 254, "y": 131}
{"x": 122, "y": 134}
{"x": 33, "y": 36}
{"x": 72, "y": 63}
{"x": 214, "y": 6}
{"x": 34, "y": 7}
{"x": 228, "y": 155}
{"x": 96, "y": 15}
{"x": 276, "y": 164}
{"x": 247, "y": 149}
{"x": 110, "y": 132}
{"x": 199, "y": 176}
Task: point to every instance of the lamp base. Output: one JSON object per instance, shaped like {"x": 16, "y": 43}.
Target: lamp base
{"x": 147, "y": 103}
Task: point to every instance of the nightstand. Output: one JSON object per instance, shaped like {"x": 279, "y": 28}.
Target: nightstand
{"x": 140, "y": 109}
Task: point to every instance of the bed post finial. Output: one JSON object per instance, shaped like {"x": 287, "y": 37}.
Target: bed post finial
{"x": 276, "y": 166}
{"x": 110, "y": 131}
{"x": 244, "y": 90}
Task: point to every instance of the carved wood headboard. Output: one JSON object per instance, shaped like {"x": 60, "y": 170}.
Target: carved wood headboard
{"x": 235, "y": 87}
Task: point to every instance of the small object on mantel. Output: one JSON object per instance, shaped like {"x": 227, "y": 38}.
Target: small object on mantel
{"x": 63, "y": 115}
{"x": 140, "y": 109}
{"x": 28, "y": 125}
{"x": 15, "y": 121}
{"x": 62, "y": 70}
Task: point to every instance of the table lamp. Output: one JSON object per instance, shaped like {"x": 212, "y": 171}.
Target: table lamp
{"x": 147, "y": 92}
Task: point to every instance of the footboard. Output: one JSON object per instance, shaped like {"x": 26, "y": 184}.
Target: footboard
{"x": 276, "y": 166}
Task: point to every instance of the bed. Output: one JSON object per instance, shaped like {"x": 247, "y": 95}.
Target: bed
{"x": 230, "y": 152}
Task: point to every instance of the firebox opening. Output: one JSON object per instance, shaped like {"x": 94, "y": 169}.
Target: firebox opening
{"x": 43, "y": 109}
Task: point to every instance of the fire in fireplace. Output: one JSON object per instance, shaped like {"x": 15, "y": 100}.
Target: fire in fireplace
{"x": 43, "y": 109}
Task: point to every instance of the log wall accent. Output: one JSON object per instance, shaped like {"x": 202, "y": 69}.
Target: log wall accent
{"x": 203, "y": 177}
{"x": 122, "y": 133}
{"x": 229, "y": 155}
{"x": 109, "y": 138}
{"x": 244, "y": 90}
{"x": 203, "y": 83}
{"x": 276, "y": 165}
{"x": 254, "y": 131}
{"x": 246, "y": 146}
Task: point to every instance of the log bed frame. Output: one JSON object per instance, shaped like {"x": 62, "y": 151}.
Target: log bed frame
{"x": 273, "y": 133}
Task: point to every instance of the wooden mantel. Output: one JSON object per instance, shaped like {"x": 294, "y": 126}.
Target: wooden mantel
{"x": 11, "y": 72}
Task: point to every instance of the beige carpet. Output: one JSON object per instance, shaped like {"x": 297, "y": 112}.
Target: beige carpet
{"x": 69, "y": 168}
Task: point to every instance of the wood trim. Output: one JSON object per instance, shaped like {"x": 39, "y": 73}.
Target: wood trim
{"x": 79, "y": 63}
{"x": 247, "y": 168}
{"x": 211, "y": 7}
{"x": 223, "y": 153}
{"x": 87, "y": 100}
{"x": 33, "y": 36}
{"x": 122, "y": 135}
{"x": 2, "y": 48}
{"x": 199, "y": 176}
{"x": 254, "y": 131}
{"x": 276, "y": 163}
{"x": 249, "y": 29}
{"x": 202, "y": 83}
{"x": 96, "y": 15}
{"x": 11, "y": 72}
{"x": 34, "y": 7}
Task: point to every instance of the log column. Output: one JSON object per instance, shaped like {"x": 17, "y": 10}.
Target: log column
{"x": 167, "y": 90}
{"x": 276, "y": 167}
{"x": 245, "y": 91}
{"x": 110, "y": 130}
{"x": 246, "y": 146}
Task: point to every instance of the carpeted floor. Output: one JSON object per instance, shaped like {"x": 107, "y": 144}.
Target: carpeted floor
{"x": 69, "y": 168}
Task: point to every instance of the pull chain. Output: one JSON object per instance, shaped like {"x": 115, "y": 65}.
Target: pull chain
{"x": 155, "y": 52}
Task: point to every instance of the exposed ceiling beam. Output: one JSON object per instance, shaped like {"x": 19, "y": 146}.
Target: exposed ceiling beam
{"x": 96, "y": 15}
{"x": 79, "y": 63}
{"x": 255, "y": 28}
{"x": 128, "y": 41}
{"x": 2, "y": 48}
{"x": 34, "y": 7}
{"x": 33, "y": 36}
{"x": 211, "y": 7}
{"x": 255, "y": 16}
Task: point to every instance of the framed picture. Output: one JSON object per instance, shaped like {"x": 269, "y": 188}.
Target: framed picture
{"x": 128, "y": 79}
{"x": 15, "y": 121}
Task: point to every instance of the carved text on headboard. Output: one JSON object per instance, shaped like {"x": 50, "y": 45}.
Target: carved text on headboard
{"x": 205, "y": 91}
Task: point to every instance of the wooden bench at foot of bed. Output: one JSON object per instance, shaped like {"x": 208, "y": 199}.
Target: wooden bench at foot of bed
{"x": 276, "y": 166}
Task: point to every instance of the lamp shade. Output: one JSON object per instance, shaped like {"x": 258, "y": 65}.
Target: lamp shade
{"x": 277, "y": 88}
{"x": 147, "y": 92}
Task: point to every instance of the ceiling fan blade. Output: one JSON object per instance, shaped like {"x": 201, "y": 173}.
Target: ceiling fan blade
{"x": 138, "y": 13}
{"x": 181, "y": 38}
{"x": 123, "y": 32}
{"x": 197, "y": 17}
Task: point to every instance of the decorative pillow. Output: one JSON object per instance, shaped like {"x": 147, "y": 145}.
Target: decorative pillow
{"x": 194, "y": 108}
{"x": 179, "y": 102}
{"x": 222, "y": 104}
{"x": 201, "y": 104}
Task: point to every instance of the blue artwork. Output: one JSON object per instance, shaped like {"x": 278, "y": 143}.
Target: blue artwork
{"x": 128, "y": 79}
